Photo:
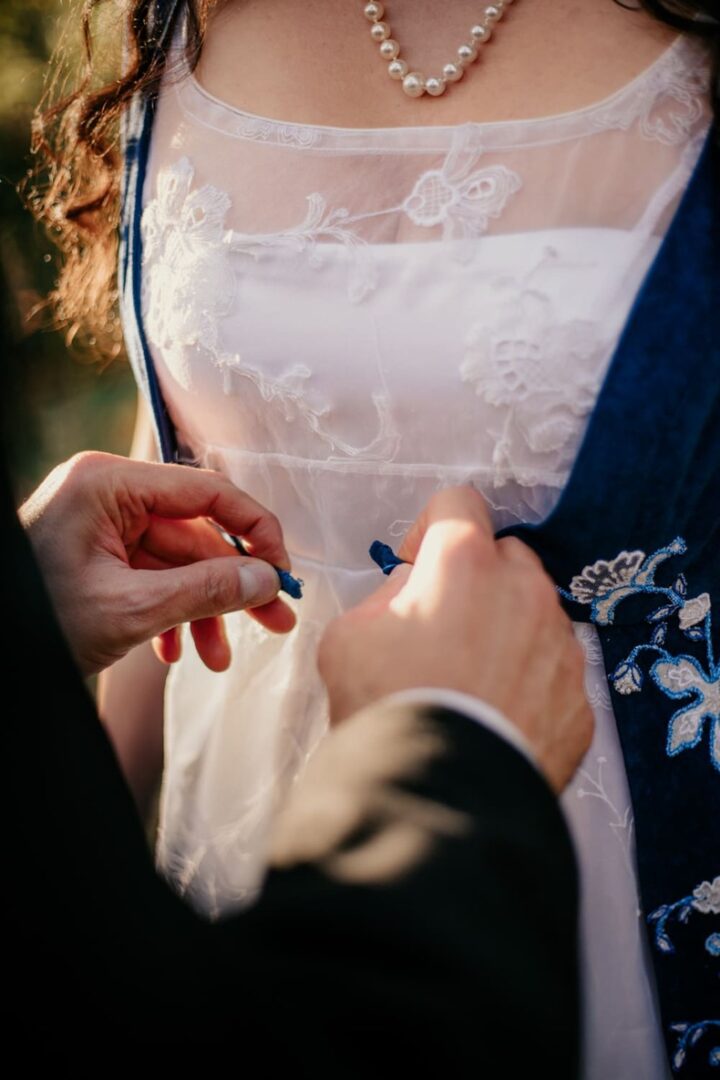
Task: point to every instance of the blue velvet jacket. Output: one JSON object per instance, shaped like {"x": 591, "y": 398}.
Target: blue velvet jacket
{"x": 634, "y": 547}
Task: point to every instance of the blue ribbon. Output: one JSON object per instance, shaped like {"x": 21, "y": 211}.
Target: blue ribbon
{"x": 288, "y": 584}
{"x": 385, "y": 557}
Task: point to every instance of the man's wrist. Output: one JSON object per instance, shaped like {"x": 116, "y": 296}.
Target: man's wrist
{"x": 474, "y": 708}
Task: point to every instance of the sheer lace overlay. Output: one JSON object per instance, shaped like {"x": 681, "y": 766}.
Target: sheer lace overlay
{"x": 345, "y": 321}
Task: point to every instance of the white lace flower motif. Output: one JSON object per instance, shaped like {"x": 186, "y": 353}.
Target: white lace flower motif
{"x": 188, "y": 280}
{"x": 543, "y": 375}
{"x": 706, "y": 897}
{"x": 694, "y": 611}
{"x": 460, "y": 200}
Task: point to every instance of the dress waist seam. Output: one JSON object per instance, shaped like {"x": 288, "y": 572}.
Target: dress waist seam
{"x": 380, "y": 468}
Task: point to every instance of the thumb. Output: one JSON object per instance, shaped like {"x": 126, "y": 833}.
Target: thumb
{"x": 204, "y": 589}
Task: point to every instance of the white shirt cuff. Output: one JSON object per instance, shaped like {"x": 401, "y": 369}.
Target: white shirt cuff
{"x": 472, "y": 707}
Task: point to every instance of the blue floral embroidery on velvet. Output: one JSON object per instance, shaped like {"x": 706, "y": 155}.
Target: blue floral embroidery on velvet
{"x": 690, "y": 1035}
{"x": 604, "y": 586}
{"x": 705, "y": 899}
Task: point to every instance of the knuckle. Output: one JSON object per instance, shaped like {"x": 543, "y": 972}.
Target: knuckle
{"x": 220, "y": 590}
{"x": 209, "y": 474}
{"x": 272, "y": 521}
{"x": 86, "y": 462}
{"x": 467, "y": 543}
{"x": 514, "y": 548}
{"x": 267, "y": 530}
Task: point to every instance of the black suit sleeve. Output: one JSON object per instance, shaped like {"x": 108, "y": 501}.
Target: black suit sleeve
{"x": 419, "y": 915}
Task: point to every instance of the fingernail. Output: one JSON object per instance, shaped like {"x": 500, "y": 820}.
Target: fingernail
{"x": 259, "y": 582}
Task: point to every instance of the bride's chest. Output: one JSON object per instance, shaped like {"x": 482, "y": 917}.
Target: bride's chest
{"x": 313, "y": 343}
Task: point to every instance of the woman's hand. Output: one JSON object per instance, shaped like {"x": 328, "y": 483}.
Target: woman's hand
{"x": 102, "y": 526}
{"x": 470, "y": 614}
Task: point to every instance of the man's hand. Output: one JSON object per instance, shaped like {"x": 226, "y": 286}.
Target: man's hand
{"x": 471, "y": 614}
{"x": 103, "y": 526}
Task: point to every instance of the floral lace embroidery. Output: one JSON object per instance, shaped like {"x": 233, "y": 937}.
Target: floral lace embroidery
{"x": 320, "y": 224}
{"x": 461, "y": 201}
{"x": 542, "y": 375}
{"x": 288, "y": 393}
{"x": 669, "y": 106}
{"x": 399, "y": 528}
{"x": 186, "y": 240}
{"x": 456, "y": 197}
{"x": 188, "y": 283}
{"x": 605, "y": 585}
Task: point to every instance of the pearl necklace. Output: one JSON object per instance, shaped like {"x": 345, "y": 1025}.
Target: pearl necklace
{"x": 414, "y": 83}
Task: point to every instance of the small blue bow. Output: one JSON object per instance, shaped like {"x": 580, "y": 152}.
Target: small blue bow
{"x": 385, "y": 557}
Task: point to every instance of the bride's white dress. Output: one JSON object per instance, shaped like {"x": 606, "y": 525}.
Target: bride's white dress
{"x": 344, "y": 321}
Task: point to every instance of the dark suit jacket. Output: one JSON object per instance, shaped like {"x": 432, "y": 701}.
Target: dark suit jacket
{"x": 419, "y": 916}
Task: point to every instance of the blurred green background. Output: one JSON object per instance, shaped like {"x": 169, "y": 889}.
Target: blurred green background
{"x": 56, "y": 401}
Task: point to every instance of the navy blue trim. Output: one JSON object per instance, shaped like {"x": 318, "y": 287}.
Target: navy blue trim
{"x": 165, "y": 428}
{"x": 135, "y": 142}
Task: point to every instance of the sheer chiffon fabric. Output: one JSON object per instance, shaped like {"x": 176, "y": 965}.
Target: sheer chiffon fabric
{"x": 345, "y": 321}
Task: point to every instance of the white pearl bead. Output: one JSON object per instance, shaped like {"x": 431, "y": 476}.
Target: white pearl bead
{"x": 398, "y": 69}
{"x": 389, "y": 49}
{"x": 414, "y": 84}
{"x": 452, "y": 72}
{"x": 435, "y": 85}
{"x": 379, "y": 31}
{"x": 481, "y": 33}
{"x": 374, "y": 12}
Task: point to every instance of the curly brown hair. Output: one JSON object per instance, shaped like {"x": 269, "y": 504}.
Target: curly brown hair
{"x": 74, "y": 187}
